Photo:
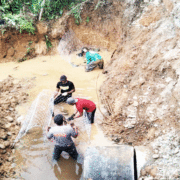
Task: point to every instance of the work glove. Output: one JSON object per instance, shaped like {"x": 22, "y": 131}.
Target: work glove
{"x": 48, "y": 128}
{"x": 64, "y": 94}
{"x": 80, "y": 54}
{"x": 71, "y": 117}
{"x": 72, "y": 124}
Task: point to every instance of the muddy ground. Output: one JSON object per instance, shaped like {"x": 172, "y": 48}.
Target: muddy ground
{"x": 141, "y": 87}
{"x": 42, "y": 73}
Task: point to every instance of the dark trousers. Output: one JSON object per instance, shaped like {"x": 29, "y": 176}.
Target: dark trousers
{"x": 61, "y": 98}
{"x": 69, "y": 149}
{"x": 90, "y": 116}
{"x": 93, "y": 64}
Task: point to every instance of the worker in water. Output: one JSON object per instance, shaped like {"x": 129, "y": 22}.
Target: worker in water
{"x": 93, "y": 59}
{"x": 81, "y": 104}
{"x": 62, "y": 134}
{"x": 66, "y": 87}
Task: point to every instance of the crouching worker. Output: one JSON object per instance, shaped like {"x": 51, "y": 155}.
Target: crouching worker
{"x": 62, "y": 134}
{"x": 81, "y": 104}
{"x": 93, "y": 60}
{"x": 66, "y": 87}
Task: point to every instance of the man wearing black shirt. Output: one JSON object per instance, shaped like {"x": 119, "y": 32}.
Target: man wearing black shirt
{"x": 66, "y": 87}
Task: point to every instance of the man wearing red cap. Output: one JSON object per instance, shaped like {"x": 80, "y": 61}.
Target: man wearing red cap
{"x": 81, "y": 104}
{"x": 66, "y": 87}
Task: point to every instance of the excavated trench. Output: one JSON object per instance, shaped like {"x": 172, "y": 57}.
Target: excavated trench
{"x": 143, "y": 76}
{"x": 33, "y": 155}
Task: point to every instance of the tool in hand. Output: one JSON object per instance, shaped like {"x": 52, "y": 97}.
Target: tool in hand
{"x": 48, "y": 128}
{"x": 71, "y": 117}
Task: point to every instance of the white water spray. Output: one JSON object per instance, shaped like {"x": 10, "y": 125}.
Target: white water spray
{"x": 87, "y": 124}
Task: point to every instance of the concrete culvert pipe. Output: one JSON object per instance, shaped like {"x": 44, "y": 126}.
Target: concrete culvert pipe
{"x": 110, "y": 162}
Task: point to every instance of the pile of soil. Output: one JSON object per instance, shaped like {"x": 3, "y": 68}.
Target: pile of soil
{"x": 142, "y": 80}
{"x": 12, "y": 93}
{"x": 166, "y": 150}
{"x": 141, "y": 92}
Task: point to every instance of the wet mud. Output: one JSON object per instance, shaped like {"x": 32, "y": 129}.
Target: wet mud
{"x": 33, "y": 153}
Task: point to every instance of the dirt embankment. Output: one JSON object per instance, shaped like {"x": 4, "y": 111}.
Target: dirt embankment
{"x": 12, "y": 93}
{"x": 143, "y": 76}
{"x": 103, "y": 25}
{"x": 16, "y": 46}
{"x": 141, "y": 92}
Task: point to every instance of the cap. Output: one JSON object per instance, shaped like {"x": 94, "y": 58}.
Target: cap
{"x": 84, "y": 50}
{"x": 71, "y": 100}
{"x": 58, "y": 119}
{"x": 63, "y": 78}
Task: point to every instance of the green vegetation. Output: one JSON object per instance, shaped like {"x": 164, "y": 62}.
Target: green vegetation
{"x": 3, "y": 31}
{"x": 29, "y": 52}
{"x": 19, "y": 22}
{"x": 21, "y": 14}
{"x": 76, "y": 11}
{"x": 48, "y": 43}
{"x": 87, "y": 19}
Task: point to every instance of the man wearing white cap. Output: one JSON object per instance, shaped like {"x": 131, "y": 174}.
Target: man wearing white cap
{"x": 81, "y": 104}
{"x": 93, "y": 60}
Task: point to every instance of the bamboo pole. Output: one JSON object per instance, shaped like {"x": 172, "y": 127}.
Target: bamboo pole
{"x": 40, "y": 14}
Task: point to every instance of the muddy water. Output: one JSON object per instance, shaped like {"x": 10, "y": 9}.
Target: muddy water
{"x": 33, "y": 153}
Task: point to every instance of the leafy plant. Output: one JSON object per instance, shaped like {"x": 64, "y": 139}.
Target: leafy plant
{"x": 27, "y": 26}
{"x": 76, "y": 11}
{"x": 29, "y": 52}
{"x": 53, "y": 9}
{"x": 87, "y": 19}
{"x": 23, "y": 59}
{"x": 30, "y": 42}
{"x": 3, "y": 31}
{"x": 14, "y": 11}
{"x": 48, "y": 43}
{"x": 19, "y": 22}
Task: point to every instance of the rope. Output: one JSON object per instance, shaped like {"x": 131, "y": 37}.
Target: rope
{"x": 98, "y": 96}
